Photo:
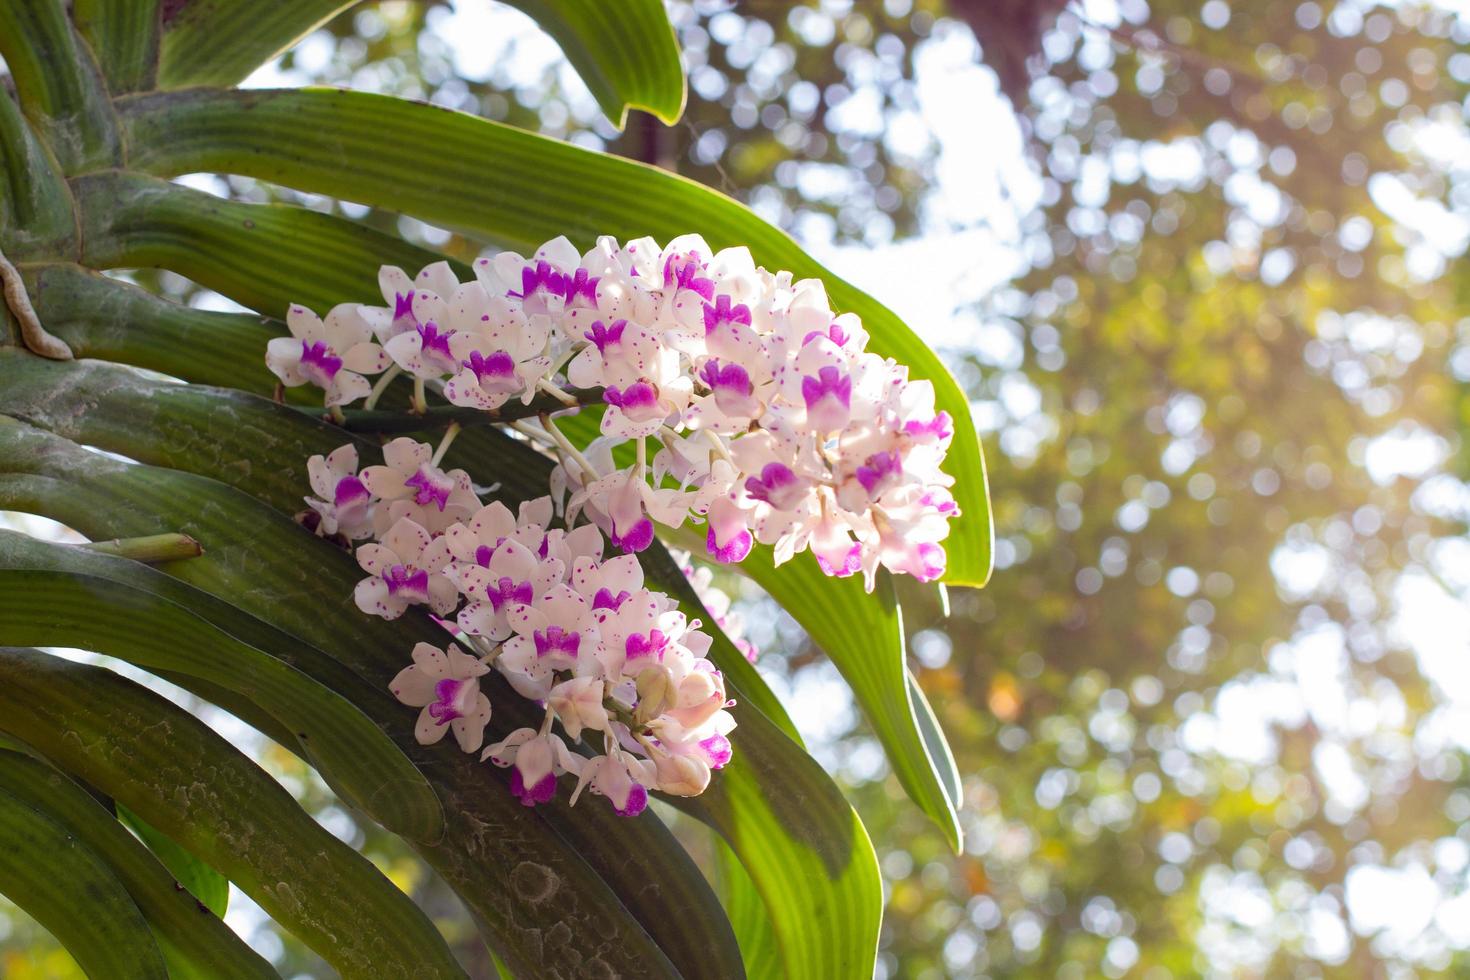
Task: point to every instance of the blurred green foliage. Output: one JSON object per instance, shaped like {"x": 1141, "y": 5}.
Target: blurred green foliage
{"x": 1186, "y": 708}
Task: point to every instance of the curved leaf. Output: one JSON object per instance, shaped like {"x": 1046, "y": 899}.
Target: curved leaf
{"x": 207, "y": 885}
{"x": 331, "y": 142}
{"x": 116, "y": 321}
{"x": 58, "y": 84}
{"x": 46, "y": 871}
{"x": 626, "y": 52}
{"x": 758, "y": 946}
{"x": 193, "y": 945}
{"x": 220, "y": 42}
{"x": 123, "y": 34}
{"x": 244, "y": 251}
{"x": 496, "y": 854}
{"x": 798, "y": 838}
{"x": 141, "y": 750}
{"x": 863, "y": 636}
{"x": 50, "y": 595}
{"x": 35, "y": 204}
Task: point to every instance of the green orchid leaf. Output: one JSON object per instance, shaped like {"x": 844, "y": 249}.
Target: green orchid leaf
{"x": 220, "y": 42}
{"x": 193, "y": 945}
{"x": 140, "y": 749}
{"x": 747, "y": 912}
{"x": 800, "y": 841}
{"x": 53, "y": 595}
{"x": 58, "y": 84}
{"x": 265, "y": 256}
{"x": 35, "y": 204}
{"x": 46, "y": 871}
{"x": 123, "y": 35}
{"x": 330, "y": 142}
{"x": 207, "y": 885}
{"x": 627, "y": 53}
{"x": 499, "y": 856}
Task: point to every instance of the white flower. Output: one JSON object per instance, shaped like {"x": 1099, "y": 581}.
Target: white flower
{"x": 411, "y": 486}
{"x": 538, "y": 759}
{"x": 346, "y": 503}
{"x": 447, "y": 687}
{"x": 404, "y": 573}
{"x": 332, "y": 355}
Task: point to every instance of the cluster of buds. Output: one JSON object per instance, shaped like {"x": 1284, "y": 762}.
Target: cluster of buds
{"x": 768, "y": 419}
{"x": 730, "y": 397}
{"x": 617, "y": 664}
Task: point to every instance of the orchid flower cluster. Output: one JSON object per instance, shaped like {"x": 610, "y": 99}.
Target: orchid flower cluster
{"x": 616, "y": 663}
{"x": 767, "y": 419}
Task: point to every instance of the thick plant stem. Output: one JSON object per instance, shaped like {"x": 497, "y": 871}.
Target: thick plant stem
{"x": 32, "y": 334}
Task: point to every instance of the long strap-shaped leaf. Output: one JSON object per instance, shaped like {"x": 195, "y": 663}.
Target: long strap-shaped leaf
{"x": 194, "y": 945}
{"x": 116, "y": 321}
{"x": 47, "y": 871}
{"x": 495, "y": 853}
{"x": 517, "y": 189}
{"x": 626, "y": 52}
{"x": 239, "y": 250}
{"x": 59, "y": 85}
{"x": 141, "y": 750}
{"x": 35, "y": 204}
{"x": 210, "y": 888}
{"x": 797, "y": 837}
{"x": 220, "y": 42}
{"x": 123, "y": 34}
{"x": 863, "y": 636}
{"x": 48, "y": 598}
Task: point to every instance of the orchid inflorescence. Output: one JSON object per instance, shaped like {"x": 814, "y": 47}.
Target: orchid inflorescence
{"x": 768, "y": 422}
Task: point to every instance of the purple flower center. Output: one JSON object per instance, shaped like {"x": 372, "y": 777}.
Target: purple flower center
{"x": 879, "y": 472}
{"x": 939, "y": 428}
{"x": 729, "y": 378}
{"x": 350, "y": 492}
{"x": 556, "y": 640}
{"x": 639, "y": 400}
{"x": 606, "y": 600}
{"x": 431, "y": 486}
{"x": 637, "y": 802}
{"x": 850, "y": 563}
{"x": 483, "y": 554}
{"x": 733, "y": 550}
{"x": 444, "y": 708}
{"x": 581, "y": 284}
{"x": 602, "y": 335}
{"x": 834, "y": 333}
{"x": 932, "y": 557}
{"x": 777, "y": 485}
{"x": 829, "y": 383}
{"x": 722, "y": 312}
{"x": 499, "y": 366}
{"x": 651, "y": 645}
{"x": 412, "y": 583}
{"x": 403, "y": 308}
{"x": 639, "y": 536}
{"x": 716, "y": 751}
{"x": 542, "y": 792}
{"x": 508, "y": 590}
{"x": 319, "y": 363}
{"x": 435, "y": 346}
{"x": 683, "y": 270}
{"x": 542, "y": 277}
